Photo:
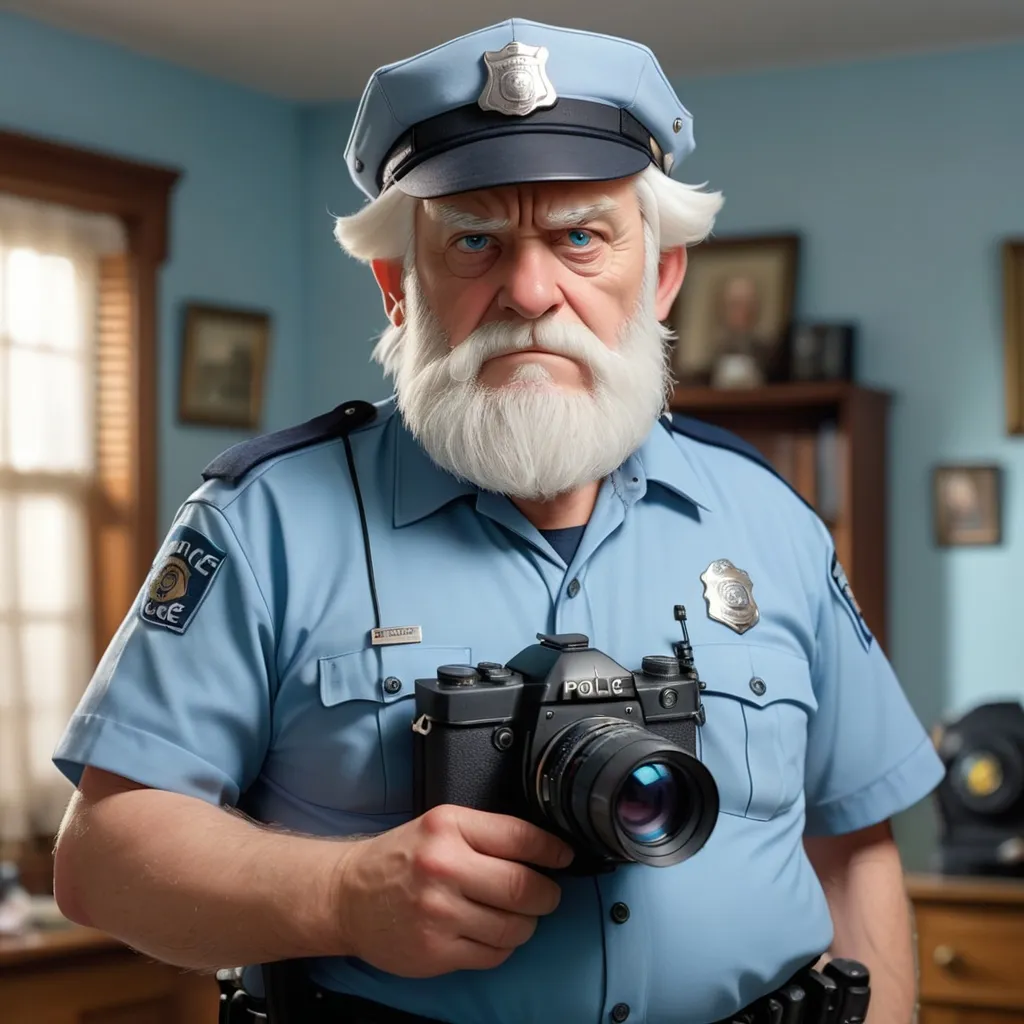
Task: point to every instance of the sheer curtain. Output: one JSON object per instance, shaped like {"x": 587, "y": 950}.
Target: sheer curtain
{"x": 49, "y": 259}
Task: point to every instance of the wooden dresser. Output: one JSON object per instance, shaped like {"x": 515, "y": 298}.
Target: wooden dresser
{"x": 75, "y": 975}
{"x": 970, "y": 943}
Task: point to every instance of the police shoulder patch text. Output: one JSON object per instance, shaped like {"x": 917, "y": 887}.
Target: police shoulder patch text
{"x": 842, "y": 584}
{"x": 181, "y": 578}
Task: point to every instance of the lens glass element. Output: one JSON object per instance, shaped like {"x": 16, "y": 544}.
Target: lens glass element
{"x": 647, "y": 808}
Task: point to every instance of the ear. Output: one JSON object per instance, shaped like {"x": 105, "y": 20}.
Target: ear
{"x": 671, "y": 271}
{"x": 389, "y": 279}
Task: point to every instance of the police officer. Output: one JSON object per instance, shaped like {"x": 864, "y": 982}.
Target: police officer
{"x": 528, "y": 235}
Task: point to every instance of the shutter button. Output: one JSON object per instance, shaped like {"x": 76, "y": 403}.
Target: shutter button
{"x": 392, "y": 685}
{"x": 620, "y": 1011}
{"x": 574, "y": 587}
{"x": 757, "y": 685}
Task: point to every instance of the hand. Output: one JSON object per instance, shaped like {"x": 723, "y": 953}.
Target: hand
{"x": 447, "y": 891}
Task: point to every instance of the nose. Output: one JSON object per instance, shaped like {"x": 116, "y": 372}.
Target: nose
{"x": 529, "y": 287}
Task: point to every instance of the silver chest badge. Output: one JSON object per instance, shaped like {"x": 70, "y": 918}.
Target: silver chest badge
{"x": 517, "y": 83}
{"x": 729, "y": 594}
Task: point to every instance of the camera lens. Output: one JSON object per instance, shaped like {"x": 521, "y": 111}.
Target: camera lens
{"x": 626, "y": 793}
{"x": 652, "y": 804}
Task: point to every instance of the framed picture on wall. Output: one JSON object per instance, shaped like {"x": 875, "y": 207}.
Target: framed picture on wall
{"x": 1013, "y": 333}
{"x": 223, "y": 360}
{"x": 732, "y": 316}
{"x": 967, "y": 505}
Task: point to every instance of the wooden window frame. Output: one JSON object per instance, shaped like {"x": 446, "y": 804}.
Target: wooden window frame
{"x": 139, "y": 196}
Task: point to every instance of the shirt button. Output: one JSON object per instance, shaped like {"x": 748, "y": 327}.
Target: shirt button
{"x": 620, "y": 1011}
{"x": 392, "y": 685}
{"x": 620, "y": 913}
{"x": 574, "y": 587}
{"x": 757, "y": 685}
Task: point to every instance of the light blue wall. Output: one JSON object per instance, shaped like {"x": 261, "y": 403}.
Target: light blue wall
{"x": 902, "y": 176}
{"x": 343, "y": 306}
{"x": 236, "y": 226}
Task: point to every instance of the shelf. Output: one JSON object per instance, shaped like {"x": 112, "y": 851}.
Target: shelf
{"x": 797, "y": 395}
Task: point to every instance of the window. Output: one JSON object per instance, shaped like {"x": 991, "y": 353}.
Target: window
{"x": 82, "y": 237}
{"x": 55, "y": 424}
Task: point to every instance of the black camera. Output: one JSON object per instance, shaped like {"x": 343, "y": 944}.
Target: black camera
{"x": 981, "y": 799}
{"x": 568, "y": 739}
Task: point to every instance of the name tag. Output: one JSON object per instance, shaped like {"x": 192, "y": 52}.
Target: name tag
{"x": 396, "y": 635}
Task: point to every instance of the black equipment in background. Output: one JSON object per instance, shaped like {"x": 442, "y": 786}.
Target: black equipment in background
{"x": 981, "y": 799}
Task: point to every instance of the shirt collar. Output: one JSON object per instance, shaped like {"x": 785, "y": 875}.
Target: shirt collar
{"x": 663, "y": 460}
{"x": 422, "y": 487}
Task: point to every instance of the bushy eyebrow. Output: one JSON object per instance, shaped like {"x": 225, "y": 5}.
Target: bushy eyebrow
{"x": 573, "y": 216}
{"x": 463, "y": 220}
{"x": 555, "y": 220}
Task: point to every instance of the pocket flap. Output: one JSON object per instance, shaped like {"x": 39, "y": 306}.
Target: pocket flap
{"x": 382, "y": 674}
{"x": 755, "y": 675}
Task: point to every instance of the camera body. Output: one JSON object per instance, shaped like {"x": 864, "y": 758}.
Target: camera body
{"x": 565, "y": 737}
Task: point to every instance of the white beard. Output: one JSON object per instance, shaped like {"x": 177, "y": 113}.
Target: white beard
{"x": 530, "y": 438}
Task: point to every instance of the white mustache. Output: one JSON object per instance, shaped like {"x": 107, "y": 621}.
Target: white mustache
{"x": 574, "y": 341}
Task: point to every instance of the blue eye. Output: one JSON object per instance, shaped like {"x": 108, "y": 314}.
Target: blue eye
{"x": 579, "y": 238}
{"x": 475, "y": 243}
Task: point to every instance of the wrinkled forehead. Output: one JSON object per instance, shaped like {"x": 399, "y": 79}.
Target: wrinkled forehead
{"x": 544, "y": 205}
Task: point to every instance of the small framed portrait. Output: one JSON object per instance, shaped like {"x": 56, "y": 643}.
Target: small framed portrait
{"x": 1013, "y": 333}
{"x": 732, "y": 316}
{"x": 967, "y": 505}
{"x": 223, "y": 360}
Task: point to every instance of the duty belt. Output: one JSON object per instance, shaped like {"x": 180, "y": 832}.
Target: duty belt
{"x": 837, "y": 994}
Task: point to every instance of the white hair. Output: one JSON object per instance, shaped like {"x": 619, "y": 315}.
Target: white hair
{"x": 679, "y": 214}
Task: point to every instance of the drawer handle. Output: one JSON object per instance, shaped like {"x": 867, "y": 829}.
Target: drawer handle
{"x": 946, "y": 956}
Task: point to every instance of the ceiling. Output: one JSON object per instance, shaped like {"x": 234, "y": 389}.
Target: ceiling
{"x": 325, "y": 49}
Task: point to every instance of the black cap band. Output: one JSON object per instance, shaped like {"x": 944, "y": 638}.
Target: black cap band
{"x": 468, "y": 124}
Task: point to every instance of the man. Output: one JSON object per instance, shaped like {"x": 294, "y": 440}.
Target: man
{"x": 528, "y": 240}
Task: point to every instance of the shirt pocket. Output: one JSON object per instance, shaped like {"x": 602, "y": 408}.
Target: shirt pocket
{"x": 368, "y": 704}
{"x": 758, "y": 702}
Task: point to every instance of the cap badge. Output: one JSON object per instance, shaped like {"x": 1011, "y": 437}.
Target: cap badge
{"x": 517, "y": 82}
{"x": 729, "y": 595}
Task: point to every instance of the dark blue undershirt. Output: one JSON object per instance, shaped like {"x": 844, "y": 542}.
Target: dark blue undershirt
{"x": 565, "y": 541}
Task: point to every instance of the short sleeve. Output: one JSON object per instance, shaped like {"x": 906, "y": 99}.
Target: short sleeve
{"x": 181, "y": 698}
{"x": 868, "y": 756}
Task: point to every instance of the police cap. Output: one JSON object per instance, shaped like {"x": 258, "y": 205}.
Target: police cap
{"x": 516, "y": 102}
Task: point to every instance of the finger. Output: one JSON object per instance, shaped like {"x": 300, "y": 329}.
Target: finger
{"x": 507, "y": 885}
{"x": 511, "y": 838}
{"x": 467, "y": 955}
{"x": 498, "y": 929}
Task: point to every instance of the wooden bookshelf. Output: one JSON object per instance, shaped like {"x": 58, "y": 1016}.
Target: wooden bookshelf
{"x": 830, "y": 441}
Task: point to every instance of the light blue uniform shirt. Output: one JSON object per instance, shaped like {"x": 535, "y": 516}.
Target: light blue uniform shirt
{"x": 264, "y": 692}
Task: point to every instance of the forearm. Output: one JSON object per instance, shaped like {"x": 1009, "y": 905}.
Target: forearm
{"x": 193, "y": 885}
{"x": 872, "y": 921}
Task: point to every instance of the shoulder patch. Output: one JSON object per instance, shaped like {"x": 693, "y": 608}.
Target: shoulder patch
{"x": 842, "y": 585}
{"x": 233, "y": 464}
{"x": 719, "y": 437}
{"x": 182, "y": 576}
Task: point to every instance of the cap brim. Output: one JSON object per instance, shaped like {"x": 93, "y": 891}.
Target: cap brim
{"x": 518, "y": 158}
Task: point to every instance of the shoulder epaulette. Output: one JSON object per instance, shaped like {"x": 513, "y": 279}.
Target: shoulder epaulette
{"x": 710, "y": 433}
{"x": 239, "y": 459}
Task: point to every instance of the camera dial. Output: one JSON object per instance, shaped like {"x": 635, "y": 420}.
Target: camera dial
{"x": 457, "y": 675}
